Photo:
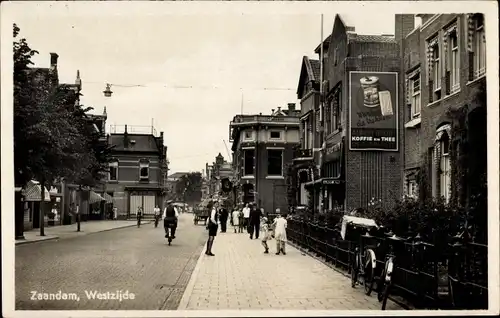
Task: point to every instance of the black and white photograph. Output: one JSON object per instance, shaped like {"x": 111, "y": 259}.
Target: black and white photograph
{"x": 249, "y": 158}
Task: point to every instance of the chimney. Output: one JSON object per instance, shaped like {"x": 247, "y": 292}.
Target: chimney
{"x": 53, "y": 60}
{"x": 291, "y": 107}
{"x": 404, "y": 24}
{"x": 125, "y": 138}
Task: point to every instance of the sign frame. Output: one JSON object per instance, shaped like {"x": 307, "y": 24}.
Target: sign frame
{"x": 396, "y": 108}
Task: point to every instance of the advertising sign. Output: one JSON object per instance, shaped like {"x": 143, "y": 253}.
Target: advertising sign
{"x": 373, "y": 110}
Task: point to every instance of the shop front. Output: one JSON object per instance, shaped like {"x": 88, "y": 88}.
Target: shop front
{"x": 333, "y": 176}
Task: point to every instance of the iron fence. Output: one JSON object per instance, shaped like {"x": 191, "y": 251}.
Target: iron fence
{"x": 419, "y": 266}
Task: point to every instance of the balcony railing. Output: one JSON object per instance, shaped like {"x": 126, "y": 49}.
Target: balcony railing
{"x": 302, "y": 153}
{"x": 264, "y": 119}
{"x": 134, "y": 129}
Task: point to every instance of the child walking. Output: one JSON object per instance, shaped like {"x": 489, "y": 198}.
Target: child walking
{"x": 267, "y": 234}
{"x": 280, "y": 224}
{"x": 235, "y": 218}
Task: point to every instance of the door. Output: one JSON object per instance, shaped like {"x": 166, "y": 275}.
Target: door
{"x": 135, "y": 201}
{"x": 149, "y": 204}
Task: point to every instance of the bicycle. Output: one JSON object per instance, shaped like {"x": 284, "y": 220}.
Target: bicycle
{"x": 364, "y": 266}
{"x": 385, "y": 280}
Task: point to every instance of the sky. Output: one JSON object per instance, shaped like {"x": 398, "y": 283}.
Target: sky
{"x": 226, "y": 59}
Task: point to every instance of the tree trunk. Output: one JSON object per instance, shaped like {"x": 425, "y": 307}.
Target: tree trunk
{"x": 78, "y": 209}
{"x": 42, "y": 207}
{"x": 19, "y": 215}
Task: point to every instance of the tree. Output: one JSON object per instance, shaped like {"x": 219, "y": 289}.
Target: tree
{"x": 53, "y": 137}
{"x": 188, "y": 188}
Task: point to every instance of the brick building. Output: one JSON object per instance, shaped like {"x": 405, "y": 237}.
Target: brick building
{"x": 137, "y": 171}
{"x": 444, "y": 67}
{"x": 359, "y": 126}
{"x": 262, "y": 147}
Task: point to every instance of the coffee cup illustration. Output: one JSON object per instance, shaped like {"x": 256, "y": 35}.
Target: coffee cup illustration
{"x": 370, "y": 87}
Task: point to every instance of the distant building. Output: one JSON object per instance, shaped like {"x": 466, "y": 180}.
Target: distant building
{"x": 263, "y": 146}
{"x": 137, "y": 170}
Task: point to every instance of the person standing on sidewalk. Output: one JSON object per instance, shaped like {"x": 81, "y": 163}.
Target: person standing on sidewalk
{"x": 139, "y": 216}
{"x": 280, "y": 225}
{"x": 255, "y": 215}
{"x": 224, "y": 214}
{"x": 235, "y": 218}
{"x": 212, "y": 227}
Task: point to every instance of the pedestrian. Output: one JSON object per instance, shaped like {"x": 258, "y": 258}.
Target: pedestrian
{"x": 223, "y": 216}
{"x": 279, "y": 226}
{"x": 246, "y": 216}
{"x": 170, "y": 217}
{"x": 139, "y": 216}
{"x": 157, "y": 215}
{"x": 267, "y": 234}
{"x": 212, "y": 227}
{"x": 235, "y": 217}
{"x": 115, "y": 213}
{"x": 254, "y": 220}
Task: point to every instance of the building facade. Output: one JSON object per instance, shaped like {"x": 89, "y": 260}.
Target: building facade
{"x": 262, "y": 147}
{"x": 137, "y": 170}
{"x": 444, "y": 68}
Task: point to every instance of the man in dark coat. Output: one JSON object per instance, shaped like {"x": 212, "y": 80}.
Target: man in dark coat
{"x": 223, "y": 215}
{"x": 254, "y": 221}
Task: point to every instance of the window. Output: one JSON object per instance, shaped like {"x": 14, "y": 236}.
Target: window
{"x": 248, "y": 135}
{"x": 143, "y": 169}
{"x": 336, "y": 111}
{"x": 274, "y": 162}
{"x": 436, "y": 71}
{"x": 275, "y": 134}
{"x": 415, "y": 95}
{"x": 454, "y": 62}
{"x": 445, "y": 171}
{"x": 479, "y": 46}
{"x": 248, "y": 165}
{"x": 411, "y": 188}
{"x": 113, "y": 171}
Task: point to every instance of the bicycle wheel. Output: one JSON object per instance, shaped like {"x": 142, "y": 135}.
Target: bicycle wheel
{"x": 369, "y": 277}
{"x": 385, "y": 295}
{"x": 354, "y": 271}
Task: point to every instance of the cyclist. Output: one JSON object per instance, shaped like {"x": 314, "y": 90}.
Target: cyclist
{"x": 170, "y": 216}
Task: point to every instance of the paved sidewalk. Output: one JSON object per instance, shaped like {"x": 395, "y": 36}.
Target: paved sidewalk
{"x": 240, "y": 276}
{"x": 68, "y": 231}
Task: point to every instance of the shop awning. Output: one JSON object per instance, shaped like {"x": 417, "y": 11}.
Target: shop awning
{"x": 108, "y": 198}
{"x": 33, "y": 192}
{"x": 94, "y": 198}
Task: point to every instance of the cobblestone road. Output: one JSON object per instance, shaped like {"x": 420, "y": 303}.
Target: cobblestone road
{"x": 240, "y": 276}
{"x": 133, "y": 259}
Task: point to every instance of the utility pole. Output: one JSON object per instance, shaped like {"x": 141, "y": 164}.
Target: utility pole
{"x": 321, "y": 100}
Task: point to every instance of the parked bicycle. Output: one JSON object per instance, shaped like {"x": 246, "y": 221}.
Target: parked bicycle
{"x": 364, "y": 261}
{"x": 385, "y": 280}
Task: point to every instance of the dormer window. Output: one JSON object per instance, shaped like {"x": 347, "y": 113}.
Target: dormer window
{"x": 144, "y": 169}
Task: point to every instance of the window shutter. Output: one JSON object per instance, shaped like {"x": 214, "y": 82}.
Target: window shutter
{"x": 471, "y": 65}
{"x": 447, "y": 82}
{"x": 431, "y": 91}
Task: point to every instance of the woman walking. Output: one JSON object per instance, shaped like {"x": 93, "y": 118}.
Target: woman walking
{"x": 212, "y": 227}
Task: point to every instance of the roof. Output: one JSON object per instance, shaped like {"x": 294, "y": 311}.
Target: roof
{"x": 177, "y": 174}
{"x": 142, "y": 143}
{"x": 326, "y": 44}
{"x": 310, "y": 70}
{"x": 353, "y": 37}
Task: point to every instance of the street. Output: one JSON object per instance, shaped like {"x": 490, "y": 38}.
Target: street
{"x": 134, "y": 259}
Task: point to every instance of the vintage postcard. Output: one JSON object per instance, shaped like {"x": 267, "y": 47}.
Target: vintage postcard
{"x": 249, "y": 158}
